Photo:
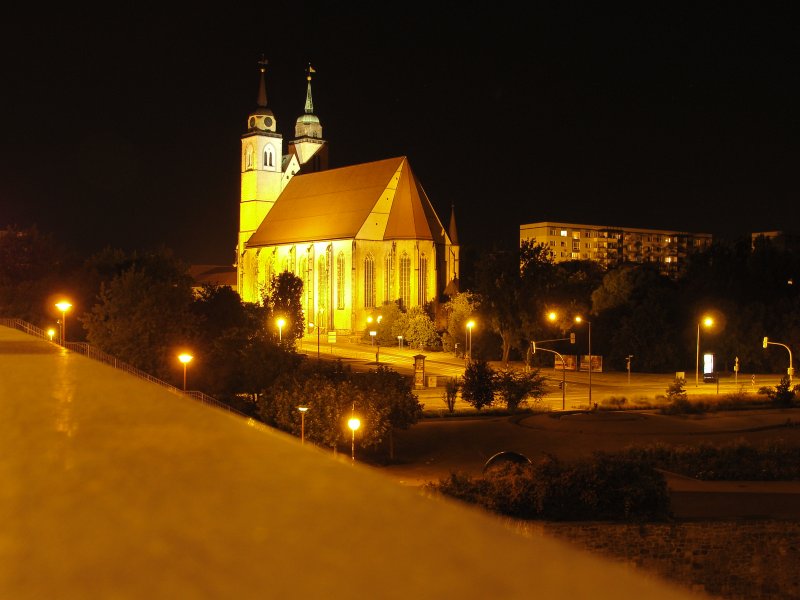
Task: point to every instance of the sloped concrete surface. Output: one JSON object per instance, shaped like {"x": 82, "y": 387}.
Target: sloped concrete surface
{"x": 115, "y": 488}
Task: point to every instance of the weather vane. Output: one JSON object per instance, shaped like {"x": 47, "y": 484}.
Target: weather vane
{"x": 309, "y": 71}
{"x": 262, "y": 63}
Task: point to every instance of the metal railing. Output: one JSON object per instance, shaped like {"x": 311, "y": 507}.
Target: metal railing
{"x": 93, "y": 353}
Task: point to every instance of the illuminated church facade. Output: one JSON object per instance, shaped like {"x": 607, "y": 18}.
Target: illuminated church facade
{"x": 358, "y": 236}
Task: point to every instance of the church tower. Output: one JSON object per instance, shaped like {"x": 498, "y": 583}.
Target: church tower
{"x": 309, "y": 147}
{"x": 262, "y": 152}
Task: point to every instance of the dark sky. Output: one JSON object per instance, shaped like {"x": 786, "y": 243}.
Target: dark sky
{"x": 123, "y": 129}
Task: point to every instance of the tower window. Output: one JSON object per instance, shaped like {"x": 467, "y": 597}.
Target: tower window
{"x": 248, "y": 158}
{"x": 269, "y": 157}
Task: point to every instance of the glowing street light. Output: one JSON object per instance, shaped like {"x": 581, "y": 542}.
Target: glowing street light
{"x": 580, "y": 320}
{"x": 185, "y": 359}
{"x": 50, "y": 333}
{"x": 302, "y": 410}
{"x": 552, "y": 315}
{"x": 63, "y": 306}
{"x": 706, "y": 322}
{"x": 354, "y": 423}
{"x": 470, "y": 325}
{"x": 280, "y": 322}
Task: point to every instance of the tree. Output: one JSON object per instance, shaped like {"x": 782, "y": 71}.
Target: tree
{"x": 143, "y": 315}
{"x": 782, "y": 394}
{"x": 420, "y": 329}
{"x": 516, "y": 386}
{"x": 388, "y": 389}
{"x": 477, "y": 388}
{"x": 285, "y": 300}
{"x": 459, "y": 310}
{"x": 451, "y": 389}
{"x": 33, "y": 266}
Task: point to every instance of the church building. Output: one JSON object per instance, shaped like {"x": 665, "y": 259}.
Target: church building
{"x": 358, "y": 236}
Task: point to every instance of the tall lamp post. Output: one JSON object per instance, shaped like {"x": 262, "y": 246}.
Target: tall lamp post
{"x": 589, "y": 323}
{"x": 354, "y": 423}
{"x": 706, "y": 322}
{"x": 302, "y": 410}
{"x": 185, "y": 359}
{"x": 470, "y": 325}
{"x": 63, "y": 306}
{"x": 280, "y": 322}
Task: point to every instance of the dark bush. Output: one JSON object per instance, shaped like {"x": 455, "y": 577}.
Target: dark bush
{"x": 603, "y": 488}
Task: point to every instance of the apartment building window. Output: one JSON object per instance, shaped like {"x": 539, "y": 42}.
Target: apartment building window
{"x": 563, "y": 233}
{"x": 554, "y": 232}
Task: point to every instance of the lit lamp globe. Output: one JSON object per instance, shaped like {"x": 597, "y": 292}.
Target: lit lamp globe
{"x": 280, "y": 322}
{"x": 63, "y": 306}
{"x": 50, "y": 333}
{"x": 185, "y": 359}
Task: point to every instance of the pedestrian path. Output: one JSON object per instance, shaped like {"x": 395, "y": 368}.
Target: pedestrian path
{"x": 114, "y": 487}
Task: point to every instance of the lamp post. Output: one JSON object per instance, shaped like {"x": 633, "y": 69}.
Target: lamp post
{"x": 280, "y": 322}
{"x": 63, "y": 306}
{"x": 589, "y": 324}
{"x": 399, "y": 341}
{"x": 50, "y": 333}
{"x": 354, "y": 423}
{"x": 706, "y": 322}
{"x": 302, "y": 410}
{"x": 185, "y": 359}
{"x": 470, "y": 325}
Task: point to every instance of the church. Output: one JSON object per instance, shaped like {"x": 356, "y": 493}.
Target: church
{"x": 358, "y": 236}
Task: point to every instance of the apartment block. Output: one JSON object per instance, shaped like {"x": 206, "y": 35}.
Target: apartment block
{"x": 615, "y": 245}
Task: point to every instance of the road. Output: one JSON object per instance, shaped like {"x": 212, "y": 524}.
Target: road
{"x": 643, "y": 388}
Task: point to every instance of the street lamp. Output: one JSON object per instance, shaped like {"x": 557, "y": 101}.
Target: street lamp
{"x": 302, "y": 410}
{"x": 185, "y": 359}
{"x": 470, "y": 325}
{"x": 354, "y": 423}
{"x": 706, "y": 322}
{"x": 280, "y": 322}
{"x": 399, "y": 341}
{"x": 63, "y": 306}
{"x": 50, "y": 333}
{"x": 579, "y": 320}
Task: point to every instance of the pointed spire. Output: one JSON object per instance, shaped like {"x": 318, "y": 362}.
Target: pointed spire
{"x": 451, "y": 231}
{"x": 262, "y": 86}
{"x": 309, "y": 101}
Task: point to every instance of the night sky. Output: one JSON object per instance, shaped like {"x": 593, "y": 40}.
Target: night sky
{"x": 124, "y": 129}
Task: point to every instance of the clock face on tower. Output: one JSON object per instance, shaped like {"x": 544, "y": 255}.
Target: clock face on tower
{"x": 251, "y": 123}
{"x": 267, "y": 121}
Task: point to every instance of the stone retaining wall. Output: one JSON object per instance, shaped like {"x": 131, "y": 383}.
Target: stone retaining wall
{"x": 728, "y": 559}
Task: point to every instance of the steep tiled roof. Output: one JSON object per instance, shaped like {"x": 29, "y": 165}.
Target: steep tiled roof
{"x": 378, "y": 200}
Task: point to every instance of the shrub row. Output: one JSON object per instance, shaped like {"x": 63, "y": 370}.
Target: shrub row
{"x": 737, "y": 461}
{"x": 603, "y": 488}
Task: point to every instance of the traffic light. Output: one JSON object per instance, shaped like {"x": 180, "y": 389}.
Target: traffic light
{"x": 766, "y": 339}
{"x": 572, "y": 338}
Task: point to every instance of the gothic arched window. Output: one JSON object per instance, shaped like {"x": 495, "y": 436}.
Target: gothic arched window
{"x": 369, "y": 282}
{"x": 387, "y": 278}
{"x": 248, "y": 158}
{"x": 269, "y": 157}
{"x": 340, "y": 280}
{"x": 405, "y": 280}
{"x": 423, "y": 280}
